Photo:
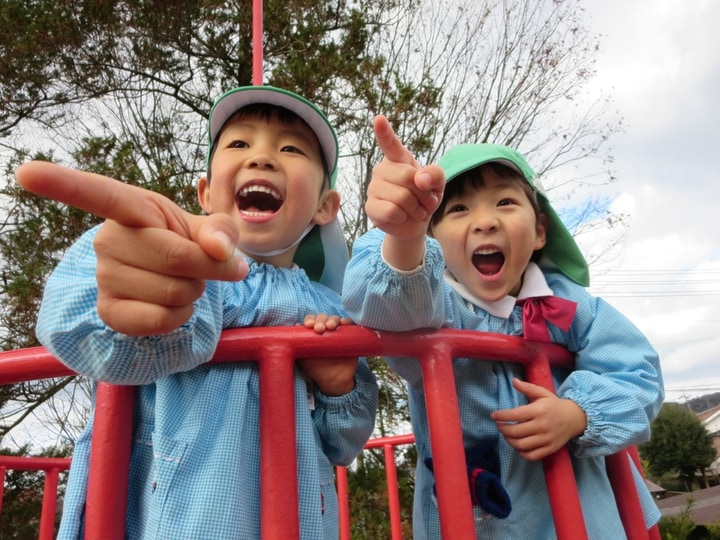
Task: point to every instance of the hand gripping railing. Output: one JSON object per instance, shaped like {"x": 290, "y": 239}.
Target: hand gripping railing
{"x": 275, "y": 350}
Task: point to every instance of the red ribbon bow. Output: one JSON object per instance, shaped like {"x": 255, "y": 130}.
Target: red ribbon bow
{"x": 540, "y": 310}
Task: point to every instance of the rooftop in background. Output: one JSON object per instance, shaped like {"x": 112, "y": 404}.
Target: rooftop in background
{"x": 705, "y": 506}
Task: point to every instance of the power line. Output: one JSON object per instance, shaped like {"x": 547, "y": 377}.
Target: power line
{"x": 657, "y": 271}
{"x": 655, "y": 294}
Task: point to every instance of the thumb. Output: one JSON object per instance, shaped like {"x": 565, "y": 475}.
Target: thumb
{"x": 216, "y": 234}
{"x": 430, "y": 181}
{"x": 391, "y": 146}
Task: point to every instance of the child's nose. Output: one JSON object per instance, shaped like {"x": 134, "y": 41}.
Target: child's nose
{"x": 485, "y": 222}
{"x": 261, "y": 159}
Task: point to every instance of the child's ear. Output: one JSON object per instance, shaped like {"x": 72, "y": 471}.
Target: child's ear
{"x": 203, "y": 194}
{"x": 328, "y": 207}
{"x": 541, "y": 232}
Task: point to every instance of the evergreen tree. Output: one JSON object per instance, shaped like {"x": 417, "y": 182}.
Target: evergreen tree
{"x": 679, "y": 444}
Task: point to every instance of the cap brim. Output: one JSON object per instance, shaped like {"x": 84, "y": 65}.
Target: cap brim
{"x": 237, "y": 98}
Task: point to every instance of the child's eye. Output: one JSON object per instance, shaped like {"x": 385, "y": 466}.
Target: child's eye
{"x": 505, "y": 202}
{"x": 292, "y": 149}
{"x": 238, "y": 144}
{"x": 456, "y": 208}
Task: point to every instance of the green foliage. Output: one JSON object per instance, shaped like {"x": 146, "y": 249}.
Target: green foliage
{"x": 35, "y": 235}
{"x": 682, "y": 526}
{"x": 369, "y": 511}
{"x": 679, "y": 444}
{"x": 677, "y": 527}
{"x": 714, "y": 529}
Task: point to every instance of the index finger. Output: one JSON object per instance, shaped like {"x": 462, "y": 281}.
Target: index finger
{"x": 100, "y": 195}
{"x": 390, "y": 143}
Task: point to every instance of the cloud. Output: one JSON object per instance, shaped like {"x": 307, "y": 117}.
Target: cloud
{"x": 661, "y": 60}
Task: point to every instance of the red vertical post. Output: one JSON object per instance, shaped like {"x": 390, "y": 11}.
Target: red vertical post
{"x": 626, "y": 495}
{"x": 343, "y": 502}
{"x": 49, "y": 504}
{"x": 2, "y": 485}
{"x": 279, "y": 498}
{"x": 109, "y": 462}
{"x": 559, "y": 475}
{"x": 654, "y": 531}
{"x": 392, "y": 490}
{"x": 453, "y": 492}
{"x": 257, "y": 42}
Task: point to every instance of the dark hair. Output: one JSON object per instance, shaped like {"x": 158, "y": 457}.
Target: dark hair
{"x": 267, "y": 112}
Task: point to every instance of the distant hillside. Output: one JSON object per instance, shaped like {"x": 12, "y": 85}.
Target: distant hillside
{"x": 703, "y": 403}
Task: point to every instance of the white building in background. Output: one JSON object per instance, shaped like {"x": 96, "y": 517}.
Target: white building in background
{"x": 710, "y": 420}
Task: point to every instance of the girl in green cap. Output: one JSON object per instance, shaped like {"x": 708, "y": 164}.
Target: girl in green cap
{"x": 142, "y": 300}
{"x": 486, "y": 251}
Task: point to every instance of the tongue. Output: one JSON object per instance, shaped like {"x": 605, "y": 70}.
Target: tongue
{"x": 257, "y": 210}
{"x": 489, "y": 264}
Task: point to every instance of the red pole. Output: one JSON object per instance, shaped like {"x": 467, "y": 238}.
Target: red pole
{"x": 343, "y": 502}
{"x": 47, "y": 515}
{"x": 2, "y": 485}
{"x": 626, "y": 495}
{"x": 453, "y": 491}
{"x": 109, "y": 462}
{"x": 392, "y": 490}
{"x": 279, "y": 497}
{"x": 559, "y": 474}
{"x": 257, "y": 42}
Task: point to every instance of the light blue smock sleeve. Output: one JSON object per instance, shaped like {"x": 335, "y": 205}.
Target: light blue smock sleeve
{"x": 617, "y": 379}
{"x": 345, "y": 423}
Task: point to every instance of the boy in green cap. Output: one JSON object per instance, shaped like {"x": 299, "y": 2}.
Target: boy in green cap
{"x": 486, "y": 251}
{"x": 143, "y": 299}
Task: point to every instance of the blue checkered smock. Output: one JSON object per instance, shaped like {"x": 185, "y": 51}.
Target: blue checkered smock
{"x": 617, "y": 382}
{"x": 195, "y": 465}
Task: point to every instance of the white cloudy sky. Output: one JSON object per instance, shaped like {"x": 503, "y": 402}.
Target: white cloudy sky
{"x": 662, "y": 60}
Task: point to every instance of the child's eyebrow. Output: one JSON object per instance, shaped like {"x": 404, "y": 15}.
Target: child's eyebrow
{"x": 297, "y": 133}
{"x": 509, "y": 184}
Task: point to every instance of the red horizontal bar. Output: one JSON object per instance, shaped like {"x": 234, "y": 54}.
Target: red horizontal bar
{"x": 22, "y": 463}
{"x": 30, "y": 365}
{"x": 37, "y": 363}
{"x": 392, "y": 440}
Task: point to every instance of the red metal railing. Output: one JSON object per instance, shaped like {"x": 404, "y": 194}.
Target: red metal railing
{"x": 275, "y": 350}
{"x": 52, "y": 467}
{"x": 388, "y": 445}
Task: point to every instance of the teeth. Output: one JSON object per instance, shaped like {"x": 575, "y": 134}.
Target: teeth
{"x": 259, "y": 189}
{"x": 486, "y": 251}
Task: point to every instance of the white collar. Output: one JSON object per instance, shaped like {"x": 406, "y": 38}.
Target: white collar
{"x": 534, "y": 284}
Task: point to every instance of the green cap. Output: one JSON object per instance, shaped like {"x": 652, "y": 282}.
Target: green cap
{"x": 323, "y": 253}
{"x": 560, "y": 247}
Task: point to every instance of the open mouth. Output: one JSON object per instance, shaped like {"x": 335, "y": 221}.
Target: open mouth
{"x": 258, "y": 200}
{"x": 488, "y": 261}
